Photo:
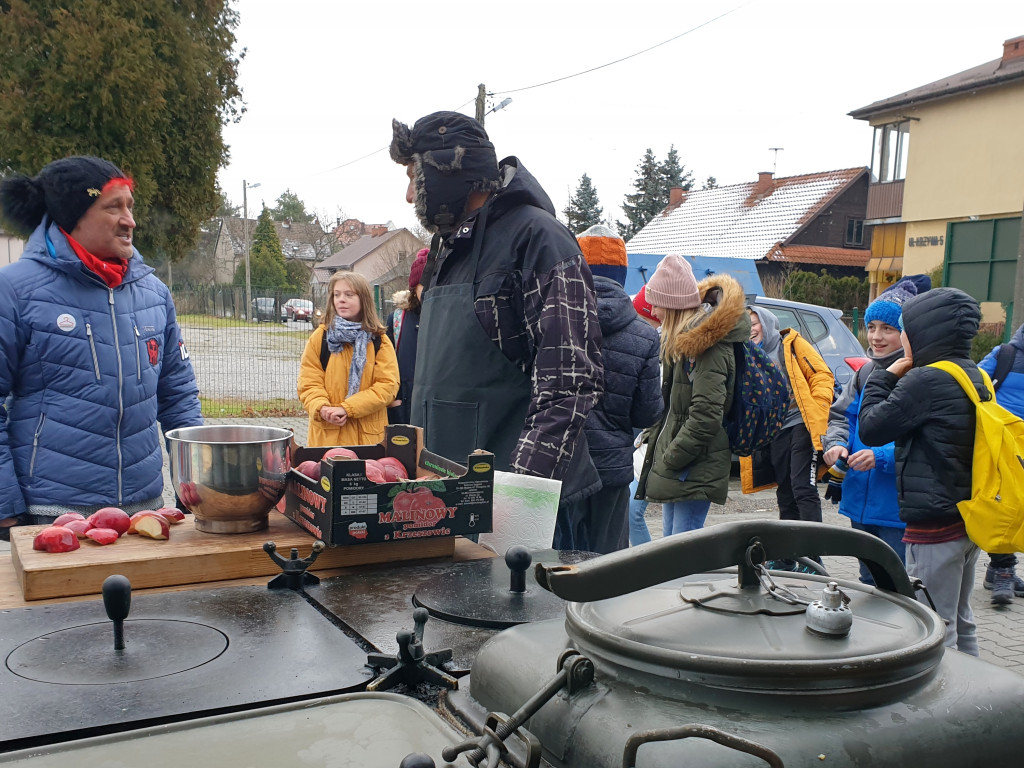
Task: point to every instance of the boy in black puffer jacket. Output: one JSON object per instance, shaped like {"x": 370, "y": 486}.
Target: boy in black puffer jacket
{"x": 631, "y": 401}
{"x": 932, "y": 423}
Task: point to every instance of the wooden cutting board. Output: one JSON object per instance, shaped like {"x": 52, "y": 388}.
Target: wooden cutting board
{"x": 190, "y": 557}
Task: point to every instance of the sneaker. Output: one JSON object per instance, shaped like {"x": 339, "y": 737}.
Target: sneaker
{"x": 1018, "y": 582}
{"x": 1002, "y": 586}
{"x": 780, "y": 565}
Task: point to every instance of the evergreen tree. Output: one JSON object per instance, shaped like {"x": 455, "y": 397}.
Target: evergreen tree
{"x": 289, "y": 206}
{"x": 266, "y": 259}
{"x": 583, "y": 210}
{"x": 645, "y": 202}
{"x": 711, "y": 183}
{"x": 147, "y": 86}
{"x": 225, "y": 208}
{"x": 673, "y": 174}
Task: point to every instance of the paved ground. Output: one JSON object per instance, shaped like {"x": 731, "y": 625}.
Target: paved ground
{"x": 1000, "y": 629}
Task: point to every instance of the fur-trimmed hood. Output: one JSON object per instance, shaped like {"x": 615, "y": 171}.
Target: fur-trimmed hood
{"x": 728, "y": 319}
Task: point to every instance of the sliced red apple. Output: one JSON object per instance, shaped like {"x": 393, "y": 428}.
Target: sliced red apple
{"x": 78, "y": 527}
{"x": 340, "y": 453}
{"x": 171, "y": 514}
{"x": 134, "y": 519}
{"x": 67, "y": 517}
{"x": 153, "y": 526}
{"x": 111, "y": 517}
{"x": 103, "y": 535}
{"x": 55, "y": 538}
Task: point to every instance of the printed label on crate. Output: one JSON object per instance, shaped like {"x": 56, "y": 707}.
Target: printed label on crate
{"x": 357, "y": 504}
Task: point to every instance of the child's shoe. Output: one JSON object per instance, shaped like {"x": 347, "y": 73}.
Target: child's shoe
{"x": 1002, "y": 585}
{"x": 1018, "y": 582}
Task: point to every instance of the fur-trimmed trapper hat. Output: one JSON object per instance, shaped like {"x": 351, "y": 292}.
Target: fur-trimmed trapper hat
{"x": 65, "y": 189}
{"x": 451, "y": 157}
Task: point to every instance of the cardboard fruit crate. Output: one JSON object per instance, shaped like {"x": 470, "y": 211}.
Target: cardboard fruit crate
{"x": 442, "y": 498}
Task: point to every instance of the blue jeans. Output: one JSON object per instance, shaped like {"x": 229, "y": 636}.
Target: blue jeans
{"x": 638, "y": 531}
{"x": 891, "y": 536}
{"x": 682, "y": 516}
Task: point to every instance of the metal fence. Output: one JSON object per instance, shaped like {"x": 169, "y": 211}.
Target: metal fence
{"x": 245, "y": 366}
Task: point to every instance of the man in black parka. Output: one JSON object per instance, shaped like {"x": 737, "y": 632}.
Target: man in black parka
{"x": 509, "y": 354}
{"x": 932, "y": 422}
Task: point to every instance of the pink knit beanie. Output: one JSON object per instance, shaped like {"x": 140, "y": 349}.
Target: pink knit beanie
{"x": 673, "y": 285}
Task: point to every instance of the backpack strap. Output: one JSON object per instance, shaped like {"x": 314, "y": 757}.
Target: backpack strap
{"x": 964, "y": 380}
{"x": 1004, "y": 362}
{"x": 325, "y": 353}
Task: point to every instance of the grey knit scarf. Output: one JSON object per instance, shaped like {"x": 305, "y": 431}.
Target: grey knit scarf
{"x": 343, "y": 332}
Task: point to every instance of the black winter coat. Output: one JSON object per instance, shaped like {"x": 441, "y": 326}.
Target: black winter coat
{"x": 926, "y": 412}
{"x": 632, "y": 384}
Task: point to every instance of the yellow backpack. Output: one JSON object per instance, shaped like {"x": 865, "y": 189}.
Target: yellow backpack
{"x": 994, "y": 515}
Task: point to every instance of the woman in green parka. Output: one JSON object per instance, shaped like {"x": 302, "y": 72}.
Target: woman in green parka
{"x": 688, "y": 457}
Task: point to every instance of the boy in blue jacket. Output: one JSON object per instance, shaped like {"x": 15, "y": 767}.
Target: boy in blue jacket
{"x": 1001, "y": 575}
{"x": 869, "y": 495}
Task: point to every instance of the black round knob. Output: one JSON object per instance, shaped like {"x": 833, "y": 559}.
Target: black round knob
{"x": 417, "y": 760}
{"x": 518, "y": 558}
{"x": 117, "y": 597}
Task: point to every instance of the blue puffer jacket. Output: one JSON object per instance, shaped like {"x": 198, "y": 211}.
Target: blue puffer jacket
{"x": 632, "y": 384}
{"x": 1010, "y": 394}
{"x": 869, "y": 498}
{"x": 91, "y": 370}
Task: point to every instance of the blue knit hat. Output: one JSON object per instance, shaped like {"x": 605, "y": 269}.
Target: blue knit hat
{"x": 888, "y": 307}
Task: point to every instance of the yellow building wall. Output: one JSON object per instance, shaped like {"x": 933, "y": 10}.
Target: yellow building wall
{"x": 926, "y": 246}
{"x": 966, "y": 156}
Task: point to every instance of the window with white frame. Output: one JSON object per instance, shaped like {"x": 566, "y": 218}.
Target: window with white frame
{"x": 890, "y": 150}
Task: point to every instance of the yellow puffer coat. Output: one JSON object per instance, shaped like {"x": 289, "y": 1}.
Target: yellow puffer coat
{"x": 367, "y": 409}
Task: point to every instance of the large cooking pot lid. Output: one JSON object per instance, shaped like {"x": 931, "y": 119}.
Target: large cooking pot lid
{"x": 745, "y": 637}
{"x": 727, "y": 629}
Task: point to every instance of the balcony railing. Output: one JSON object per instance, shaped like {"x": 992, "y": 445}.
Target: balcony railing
{"x": 885, "y": 201}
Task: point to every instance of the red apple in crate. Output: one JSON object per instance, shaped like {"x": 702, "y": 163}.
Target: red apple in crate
{"x": 153, "y": 526}
{"x": 310, "y": 469}
{"x": 67, "y": 517}
{"x": 396, "y": 468}
{"x": 375, "y": 471}
{"x": 111, "y": 517}
{"x": 171, "y": 514}
{"x": 340, "y": 453}
{"x": 56, "y": 538}
{"x": 102, "y": 535}
{"x": 134, "y": 519}
{"x": 78, "y": 527}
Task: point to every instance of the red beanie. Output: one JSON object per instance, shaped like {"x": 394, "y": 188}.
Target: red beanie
{"x": 642, "y": 305}
{"x": 416, "y": 271}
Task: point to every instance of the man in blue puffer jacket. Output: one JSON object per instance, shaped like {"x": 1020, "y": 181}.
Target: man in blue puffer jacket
{"x": 632, "y": 398}
{"x": 90, "y": 350}
{"x": 1001, "y": 575}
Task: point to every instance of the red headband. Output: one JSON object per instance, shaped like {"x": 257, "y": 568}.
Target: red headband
{"x": 118, "y": 181}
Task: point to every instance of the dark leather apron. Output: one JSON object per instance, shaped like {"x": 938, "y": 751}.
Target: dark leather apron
{"x": 467, "y": 394}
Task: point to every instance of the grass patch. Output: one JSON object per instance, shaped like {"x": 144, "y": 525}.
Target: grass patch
{"x": 209, "y": 321}
{"x": 249, "y": 409}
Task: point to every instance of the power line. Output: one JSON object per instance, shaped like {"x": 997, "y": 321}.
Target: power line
{"x": 625, "y": 58}
{"x": 376, "y": 151}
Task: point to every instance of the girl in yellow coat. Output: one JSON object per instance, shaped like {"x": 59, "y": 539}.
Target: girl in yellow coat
{"x": 347, "y": 401}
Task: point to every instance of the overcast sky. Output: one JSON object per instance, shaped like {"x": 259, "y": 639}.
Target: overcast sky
{"x": 322, "y": 80}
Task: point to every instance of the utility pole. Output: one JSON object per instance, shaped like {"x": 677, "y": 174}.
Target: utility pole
{"x": 248, "y": 239}
{"x": 481, "y": 102}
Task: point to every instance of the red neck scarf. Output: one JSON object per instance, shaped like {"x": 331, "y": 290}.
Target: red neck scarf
{"x": 110, "y": 272}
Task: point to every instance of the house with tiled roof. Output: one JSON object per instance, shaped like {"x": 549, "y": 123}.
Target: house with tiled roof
{"x": 383, "y": 258}
{"x": 947, "y": 180}
{"x": 813, "y": 221}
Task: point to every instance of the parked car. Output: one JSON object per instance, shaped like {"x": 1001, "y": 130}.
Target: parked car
{"x": 299, "y": 309}
{"x": 264, "y": 310}
{"x": 825, "y": 329}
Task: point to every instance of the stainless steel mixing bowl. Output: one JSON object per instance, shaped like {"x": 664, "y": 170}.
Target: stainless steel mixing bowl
{"x": 229, "y": 476}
